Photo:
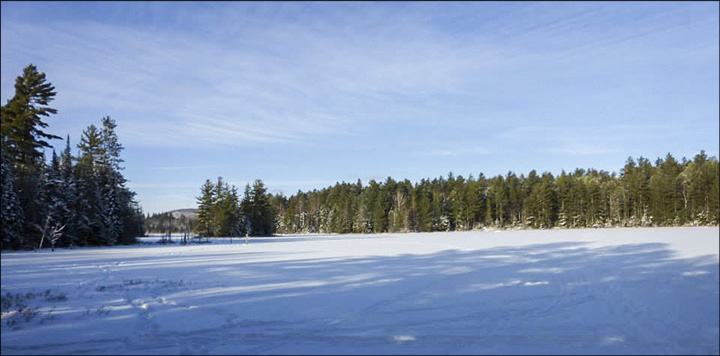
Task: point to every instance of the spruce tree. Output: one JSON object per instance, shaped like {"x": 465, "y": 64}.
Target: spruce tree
{"x": 11, "y": 212}
{"x": 425, "y": 218}
{"x": 204, "y": 225}
{"x": 665, "y": 198}
{"x": 115, "y": 198}
{"x": 262, "y": 214}
{"x": 92, "y": 225}
{"x": 53, "y": 199}
{"x": 69, "y": 194}
{"x": 112, "y": 148}
{"x": 110, "y": 218}
{"x": 246, "y": 209}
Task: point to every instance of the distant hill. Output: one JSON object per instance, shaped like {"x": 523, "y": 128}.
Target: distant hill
{"x": 188, "y": 213}
{"x": 179, "y": 220}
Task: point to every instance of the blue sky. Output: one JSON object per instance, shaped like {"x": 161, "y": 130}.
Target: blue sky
{"x": 303, "y": 95}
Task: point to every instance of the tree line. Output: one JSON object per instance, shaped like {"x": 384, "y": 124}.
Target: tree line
{"x": 221, "y": 212}
{"x": 83, "y": 197}
{"x": 168, "y": 222}
{"x": 668, "y": 193}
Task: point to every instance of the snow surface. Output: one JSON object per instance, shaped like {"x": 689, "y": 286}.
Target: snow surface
{"x": 597, "y": 291}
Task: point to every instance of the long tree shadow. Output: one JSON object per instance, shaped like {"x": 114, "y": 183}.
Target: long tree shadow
{"x": 543, "y": 298}
{"x": 554, "y": 298}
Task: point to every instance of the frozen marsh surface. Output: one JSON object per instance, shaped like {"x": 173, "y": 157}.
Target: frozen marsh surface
{"x": 597, "y": 291}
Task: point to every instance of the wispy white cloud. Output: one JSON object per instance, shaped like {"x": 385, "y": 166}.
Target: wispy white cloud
{"x": 318, "y": 90}
{"x": 232, "y": 78}
{"x": 284, "y": 84}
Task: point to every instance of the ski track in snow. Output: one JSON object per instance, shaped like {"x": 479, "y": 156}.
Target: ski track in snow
{"x": 596, "y": 291}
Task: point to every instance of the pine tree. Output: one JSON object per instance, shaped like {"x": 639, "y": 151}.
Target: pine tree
{"x": 36, "y": 213}
{"x": 398, "y": 216}
{"x": 90, "y": 198}
{"x": 380, "y": 208}
{"x": 262, "y": 214}
{"x": 22, "y": 121}
{"x": 697, "y": 178}
{"x": 531, "y": 209}
{"x": 615, "y": 192}
{"x": 548, "y": 201}
{"x": 225, "y": 210}
{"x": 481, "y": 202}
{"x": 593, "y": 200}
{"x": 53, "y": 199}
{"x": 424, "y": 212}
{"x": 246, "y": 209}
{"x": 666, "y": 200}
{"x": 631, "y": 200}
{"x": 257, "y": 210}
{"x": 112, "y": 224}
{"x": 362, "y": 220}
{"x": 204, "y": 225}
{"x": 645, "y": 170}
{"x": 112, "y": 148}
{"x": 218, "y": 213}
{"x": 69, "y": 197}
{"x": 131, "y": 217}
{"x": 11, "y": 213}
{"x": 115, "y": 198}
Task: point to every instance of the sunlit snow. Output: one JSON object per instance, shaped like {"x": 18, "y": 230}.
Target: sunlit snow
{"x": 540, "y": 292}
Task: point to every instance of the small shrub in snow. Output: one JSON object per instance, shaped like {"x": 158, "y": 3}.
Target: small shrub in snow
{"x": 21, "y": 313}
{"x": 61, "y": 297}
{"x": 15, "y": 306}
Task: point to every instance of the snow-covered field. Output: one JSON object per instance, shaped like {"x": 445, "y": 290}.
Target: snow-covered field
{"x": 599, "y": 291}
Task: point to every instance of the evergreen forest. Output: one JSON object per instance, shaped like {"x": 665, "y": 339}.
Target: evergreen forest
{"x": 221, "y": 213}
{"x": 667, "y": 193}
{"x": 67, "y": 199}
